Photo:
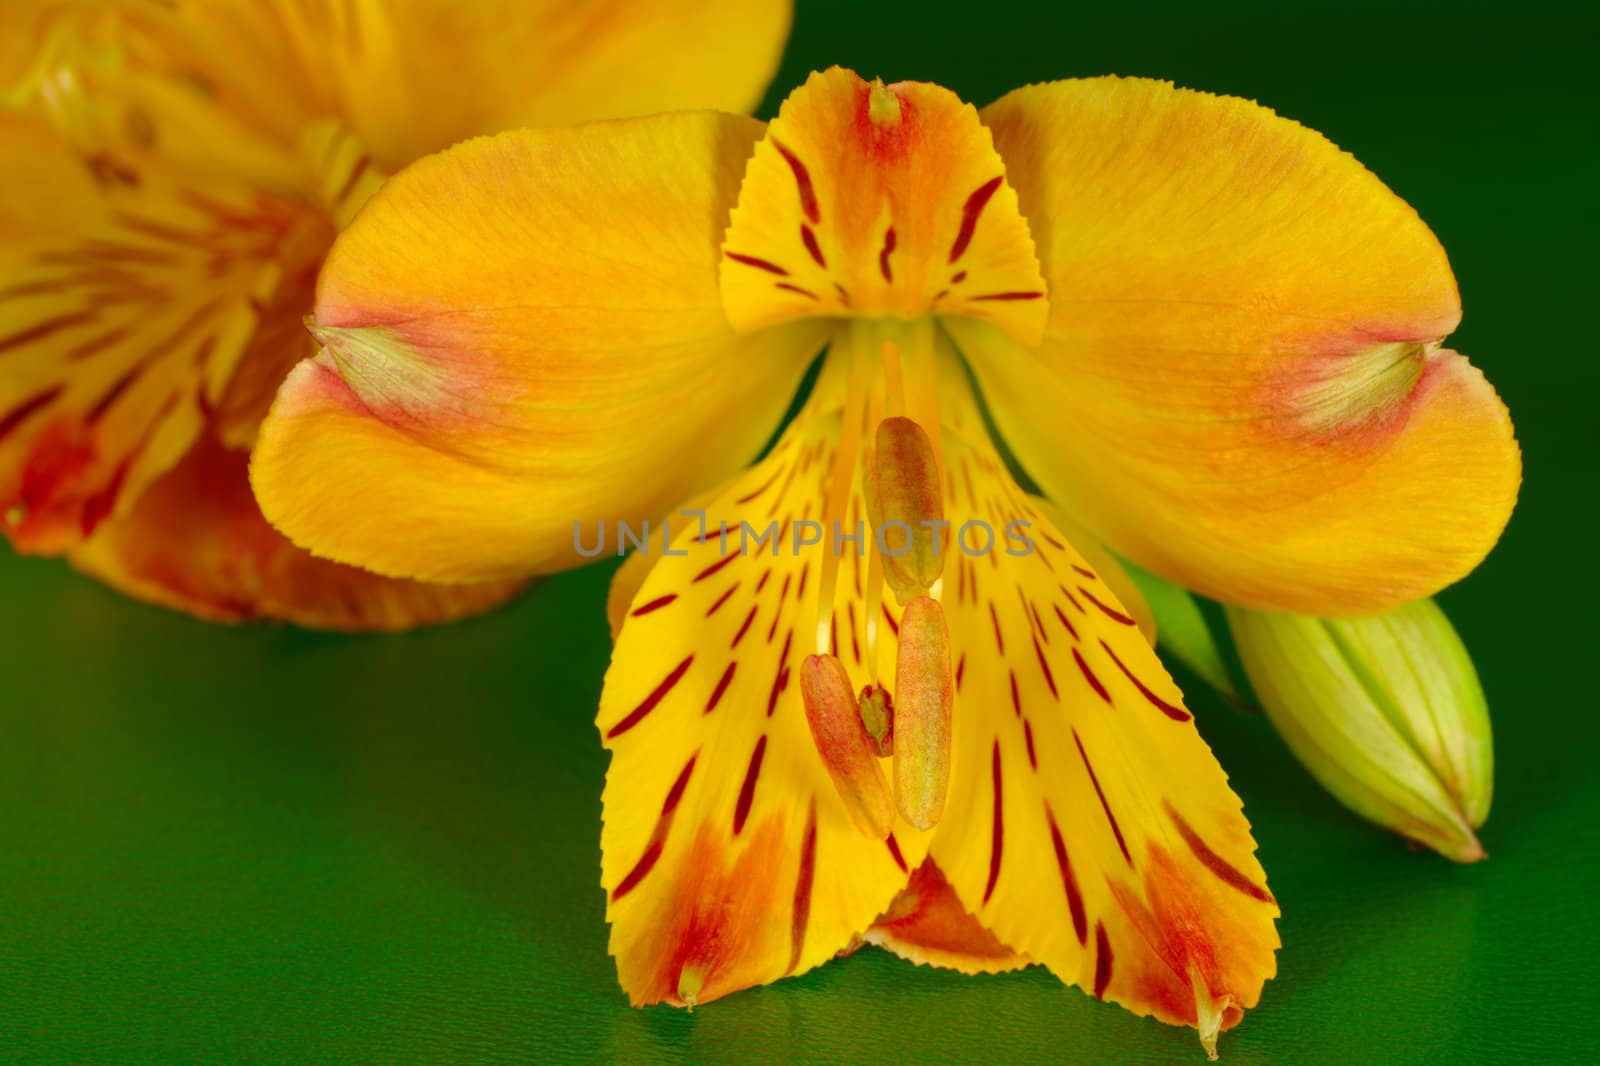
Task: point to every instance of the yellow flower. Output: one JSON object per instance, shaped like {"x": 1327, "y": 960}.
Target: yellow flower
{"x": 174, "y": 172}
{"x": 1211, "y": 336}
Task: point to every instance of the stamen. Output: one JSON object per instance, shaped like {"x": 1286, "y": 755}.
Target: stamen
{"x": 844, "y": 745}
{"x": 843, "y": 478}
{"x": 906, "y": 506}
{"x": 691, "y": 979}
{"x": 924, "y": 702}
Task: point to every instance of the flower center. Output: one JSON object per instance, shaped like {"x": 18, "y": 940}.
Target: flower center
{"x": 890, "y": 423}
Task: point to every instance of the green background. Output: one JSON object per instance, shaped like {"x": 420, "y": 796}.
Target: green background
{"x": 264, "y": 845}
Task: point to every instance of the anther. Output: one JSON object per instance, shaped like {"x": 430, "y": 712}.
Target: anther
{"x": 876, "y": 707}
{"x": 925, "y": 697}
{"x": 906, "y": 506}
{"x": 845, "y": 747}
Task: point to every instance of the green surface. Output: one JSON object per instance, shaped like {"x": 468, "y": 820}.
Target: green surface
{"x": 262, "y": 845}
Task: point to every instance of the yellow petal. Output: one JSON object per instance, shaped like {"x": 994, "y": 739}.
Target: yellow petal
{"x": 927, "y": 924}
{"x": 523, "y": 334}
{"x": 729, "y": 858}
{"x": 1087, "y": 825}
{"x": 873, "y": 199}
{"x": 1241, "y": 386}
{"x": 196, "y": 541}
{"x": 417, "y": 77}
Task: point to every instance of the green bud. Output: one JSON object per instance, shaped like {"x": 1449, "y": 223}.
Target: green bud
{"x": 1386, "y": 712}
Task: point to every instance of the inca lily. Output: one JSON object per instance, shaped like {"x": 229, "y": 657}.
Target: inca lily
{"x": 171, "y": 175}
{"x": 1210, "y": 335}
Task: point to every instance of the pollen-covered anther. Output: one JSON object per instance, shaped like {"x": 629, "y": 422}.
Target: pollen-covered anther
{"x": 925, "y": 699}
{"x": 845, "y": 747}
{"x": 906, "y": 507}
{"x": 876, "y": 706}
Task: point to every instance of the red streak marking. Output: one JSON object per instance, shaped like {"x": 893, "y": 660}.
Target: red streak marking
{"x": 45, "y": 329}
{"x": 1177, "y": 714}
{"x": 651, "y": 701}
{"x": 655, "y": 604}
{"x": 800, "y": 592}
{"x": 747, "y": 791}
{"x": 1080, "y": 921}
{"x": 999, "y": 641}
{"x": 759, "y": 264}
{"x": 1016, "y": 699}
{"x": 802, "y": 179}
{"x": 105, "y": 403}
{"x": 809, "y": 239}
{"x": 844, "y": 293}
{"x": 675, "y": 793}
{"x": 1006, "y": 295}
{"x": 780, "y": 680}
{"x": 751, "y": 617}
{"x": 1102, "y": 960}
{"x": 807, "y": 293}
{"x": 726, "y": 560}
{"x": 961, "y": 669}
{"x": 1063, "y": 616}
{"x": 1072, "y": 599}
{"x": 1027, "y": 734}
{"x": 777, "y": 616}
{"x": 765, "y": 485}
{"x": 941, "y": 294}
{"x": 883, "y": 256}
{"x": 1228, "y": 873}
{"x": 765, "y": 574}
{"x": 658, "y": 838}
{"x": 969, "y": 215}
{"x": 887, "y": 617}
{"x": 998, "y": 833}
{"x": 20, "y": 413}
{"x": 1110, "y": 612}
{"x": 1088, "y": 675}
{"x": 1086, "y": 572}
{"x": 98, "y": 343}
{"x": 960, "y": 276}
{"x": 1105, "y": 806}
{"x": 722, "y": 599}
{"x": 1049, "y": 678}
{"x": 646, "y": 863}
{"x": 802, "y": 889}
{"x": 894, "y": 853}
{"x": 722, "y": 686}
{"x": 1038, "y": 623}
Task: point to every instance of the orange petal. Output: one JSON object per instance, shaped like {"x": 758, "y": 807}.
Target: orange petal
{"x": 1088, "y": 825}
{"x": 523, "y": 335}
{"x": 121, "y": 334}
{"x": 729, "y": 858}
{"x": 927, "y": 924}
{"x": 196, "y": 541}
{"x": 873, "y": 199}
{"x": 1240, "y": 386}
{"x": 417, "y": 77}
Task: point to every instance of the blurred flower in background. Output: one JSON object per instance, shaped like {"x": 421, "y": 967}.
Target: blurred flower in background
{"x": 172, "y": 173}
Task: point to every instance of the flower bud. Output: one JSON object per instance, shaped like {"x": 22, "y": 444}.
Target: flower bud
{"x": 1386, "y": 712}
{"x": 842, "y": 741}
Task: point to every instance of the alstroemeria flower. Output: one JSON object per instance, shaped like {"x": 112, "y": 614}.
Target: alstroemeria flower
{"x": 172, "y": 173}
{"x": 1214, "y": 336}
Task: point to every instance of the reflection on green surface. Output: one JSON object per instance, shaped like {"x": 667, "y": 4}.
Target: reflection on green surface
{"x": 265, "y": 845}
